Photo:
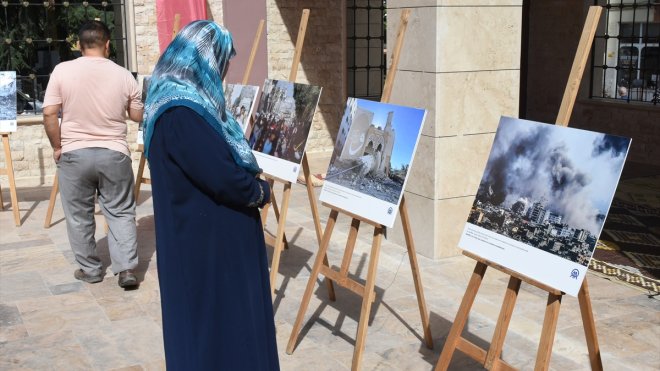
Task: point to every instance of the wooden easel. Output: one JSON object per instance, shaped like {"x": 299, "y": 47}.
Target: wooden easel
{"x": 9, "y": 172}
{"x": 340, "y": 277}
{"x": 280, "y": 213}
{"x": 491, "y": 359}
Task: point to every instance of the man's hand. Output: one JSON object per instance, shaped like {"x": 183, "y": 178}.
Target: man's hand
{"x": 57, "y": 153}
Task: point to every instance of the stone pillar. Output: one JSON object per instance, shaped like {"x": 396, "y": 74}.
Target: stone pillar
{"x": 461, "y": 62}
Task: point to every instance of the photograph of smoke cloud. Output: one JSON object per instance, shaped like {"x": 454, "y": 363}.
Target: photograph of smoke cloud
{"x": 371, "y": 160}
{"x": 7, "y": 101}
{"x": 549, "y": 187}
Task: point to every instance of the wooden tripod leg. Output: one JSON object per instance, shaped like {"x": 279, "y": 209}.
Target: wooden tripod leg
{"x": 461, "y": 317}
{"x": 589, "y": 327}
{"x": 317, "y": 219}
{"x": 417, "y": 278}
{"x": 503, "y": 322}
{"x": 312, "y": 280}
{"x": 51, "y": 201}
{"x": 279, "y": 239}
{"x": 548, "y": 332}
{"x": 328, "y": 282}
{"x": 367, "y": 298}
{"x": 264, "y": 210}
{"x": 12, "y": 182}
{"x": 276, "y": 210}
{"x": 350, "y": 246}
{"x": 277, "y": 217}
{"x": 140, "y": 175}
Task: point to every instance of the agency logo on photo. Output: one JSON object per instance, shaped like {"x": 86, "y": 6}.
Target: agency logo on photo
{"x": 295, "y": 169}
{"x": 390, "y": 210}
{"x": 575, "y": 273}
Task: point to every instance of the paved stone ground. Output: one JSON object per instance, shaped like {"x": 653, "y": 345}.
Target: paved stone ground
{"x": 48, "y": 320}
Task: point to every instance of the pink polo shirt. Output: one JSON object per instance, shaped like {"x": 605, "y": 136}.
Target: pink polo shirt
{"x": 94, "y": 93}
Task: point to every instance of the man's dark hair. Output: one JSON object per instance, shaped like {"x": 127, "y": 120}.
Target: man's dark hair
{"x": 93, "y": 34}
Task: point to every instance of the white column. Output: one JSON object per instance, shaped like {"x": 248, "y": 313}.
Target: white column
{"x": 460, "y": 61}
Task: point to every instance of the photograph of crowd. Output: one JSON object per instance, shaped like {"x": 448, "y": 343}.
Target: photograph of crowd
{"x": 240, "y": 102}
{"x": 283, "y": 119}
{"x": 374, "y": 148}
{"x": 549, "y": 187}
{"x": 7, "y": 101}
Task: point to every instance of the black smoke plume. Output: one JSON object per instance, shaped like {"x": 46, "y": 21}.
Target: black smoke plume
{"x": 610, "y": 143}
{"x": 528, "y": 164}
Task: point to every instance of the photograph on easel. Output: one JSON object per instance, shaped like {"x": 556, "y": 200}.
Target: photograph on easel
{"x": 143, "y": 82}
{"x": 7, "y": 101}
{"x": 281, "y": 127}
{"x": 240, "y": 101}
{"x": 371, "y": 160}
{"x": 543, "y": 199}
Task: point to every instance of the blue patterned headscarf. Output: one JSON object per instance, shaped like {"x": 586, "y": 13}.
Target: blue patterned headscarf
{"x": 189, "y": 73}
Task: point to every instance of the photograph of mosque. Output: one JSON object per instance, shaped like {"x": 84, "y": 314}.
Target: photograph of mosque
{"x": 7, "y": 101}
{"x": 373, "y": 152}
{"x": 240, "y": 101}
{"x": 549, "y": 187}
{"x": 281, "y": 126}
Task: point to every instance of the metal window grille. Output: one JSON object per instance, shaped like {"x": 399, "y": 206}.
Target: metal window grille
{"x": 38, "y": 34}
{"x": 626, "y": 62}
{"x": 366, "y": 62}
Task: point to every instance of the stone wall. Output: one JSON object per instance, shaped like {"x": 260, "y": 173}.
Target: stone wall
{"x": 322, "y": 61}
{"x": 32, "y": 156}
{"x": 146, "y": 35}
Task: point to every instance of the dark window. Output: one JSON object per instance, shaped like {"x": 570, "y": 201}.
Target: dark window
{"x": 365, "y": 25}
{"x": 38, "y": 34}
{"x": 626, "y": 59}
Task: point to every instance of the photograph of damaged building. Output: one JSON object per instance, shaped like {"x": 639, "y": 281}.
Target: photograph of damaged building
{"x": 374, "y": 148}
{"x": 549, "y": 187}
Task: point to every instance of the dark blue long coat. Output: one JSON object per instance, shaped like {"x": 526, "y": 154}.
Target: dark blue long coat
{"x": 212, "y": 264}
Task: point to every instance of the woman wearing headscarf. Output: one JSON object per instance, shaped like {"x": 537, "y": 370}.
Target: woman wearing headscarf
{"x": 212, "y": 267}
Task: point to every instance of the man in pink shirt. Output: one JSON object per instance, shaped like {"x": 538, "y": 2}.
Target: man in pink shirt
{"x": 93, "y": 95}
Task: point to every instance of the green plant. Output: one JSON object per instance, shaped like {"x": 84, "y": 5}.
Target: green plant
{"x": 30, "y": 27}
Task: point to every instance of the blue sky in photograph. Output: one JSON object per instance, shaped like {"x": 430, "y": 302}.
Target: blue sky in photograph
{"x": 406, "y": 122}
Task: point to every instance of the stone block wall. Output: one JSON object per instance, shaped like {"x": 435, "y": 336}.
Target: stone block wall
{"x": 322, "y": 61}
{"x": 146, "y": 35}
{"x": 31, "y": 155}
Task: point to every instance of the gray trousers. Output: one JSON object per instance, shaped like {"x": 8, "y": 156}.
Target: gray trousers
{"x": 82, "y": 174}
